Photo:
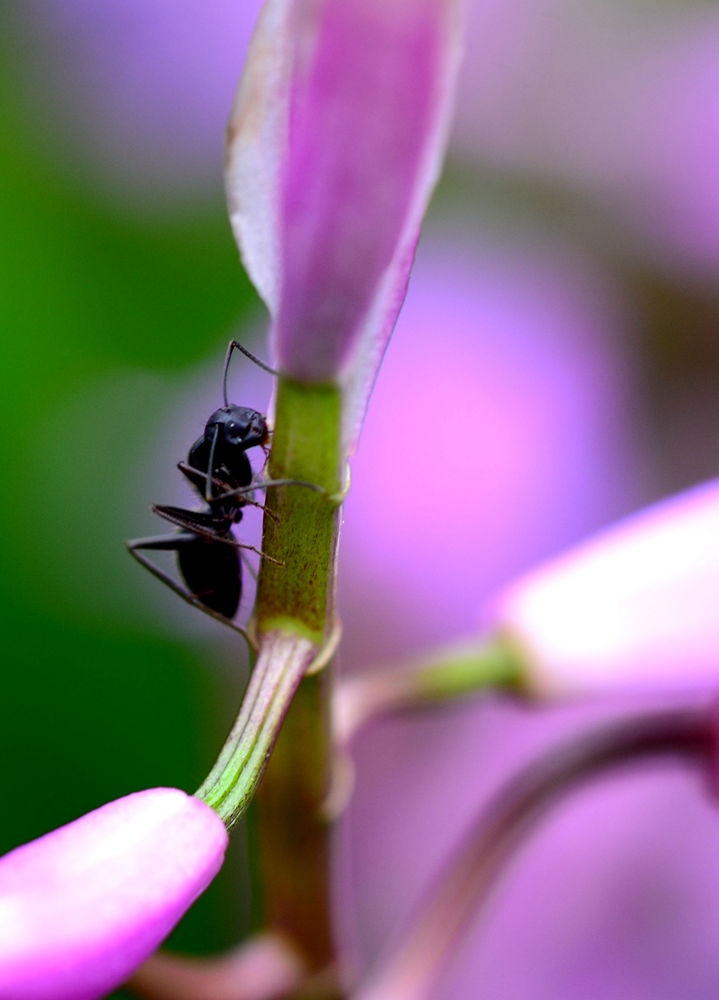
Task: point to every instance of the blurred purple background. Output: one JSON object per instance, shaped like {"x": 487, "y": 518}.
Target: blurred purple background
{"x": 556, "y": 366}
{"x": 137, "y": 94}
{"x": 611, "y": 101}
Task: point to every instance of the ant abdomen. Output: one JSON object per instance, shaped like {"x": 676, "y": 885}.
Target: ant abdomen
{"x": 212, "y": 573}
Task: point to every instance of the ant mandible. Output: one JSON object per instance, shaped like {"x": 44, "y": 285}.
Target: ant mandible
{"x": 217, "y": 466}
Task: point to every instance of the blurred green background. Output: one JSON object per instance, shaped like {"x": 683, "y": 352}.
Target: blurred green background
{"x": 95, "y": 704}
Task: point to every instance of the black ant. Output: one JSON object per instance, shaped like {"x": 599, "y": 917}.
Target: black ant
{"x": 217, "y": 466}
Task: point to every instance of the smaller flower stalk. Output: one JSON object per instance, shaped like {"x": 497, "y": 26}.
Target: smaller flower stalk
{"x": 448, "y": 673}
{"x": 412, "y": 968}
{"x": 281, "y": 665}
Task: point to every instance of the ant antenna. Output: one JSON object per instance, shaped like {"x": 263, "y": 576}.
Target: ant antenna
{"x": 211, "y": 465}
{"x": 234, "y": 345}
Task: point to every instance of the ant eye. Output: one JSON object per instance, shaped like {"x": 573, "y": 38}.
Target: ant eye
{"x": 233, "y": 429}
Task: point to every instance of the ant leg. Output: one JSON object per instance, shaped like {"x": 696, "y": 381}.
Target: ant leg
{"x": 262, "y": 484}
{"x": 265, "y": 484}
{"x": 192, "y": 523}
{"x": 267, "y": 450}
{"x": 260, "y": 553}
{"x": 170, "y": 543}
{"x": 210, "y": 465}
{"x": 260, "y": 506}
{"x": 270, "y": 513}
{"x": 235, "y": 345}
{"x": 248, "y": 566}
{"x": 192, "y": 475}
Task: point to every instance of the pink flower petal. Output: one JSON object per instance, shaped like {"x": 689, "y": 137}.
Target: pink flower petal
{"x": 334, "y": 145}
{"x": 83, "y": 906}
{"x": 635, "y": 606}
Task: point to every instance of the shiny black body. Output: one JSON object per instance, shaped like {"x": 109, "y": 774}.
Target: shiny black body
{"x": 209, "y": 560}
{"x": 208, "y": 556}
{"x": 222, "y": 450}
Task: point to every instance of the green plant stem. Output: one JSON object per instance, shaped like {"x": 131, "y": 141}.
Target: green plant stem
{"x": 233, "y": 780}
{"x": 297, "y": 593}
{"x": 298, "y": 598}
{"x": 294, "y": 833}
{"x": 461, "y": 669}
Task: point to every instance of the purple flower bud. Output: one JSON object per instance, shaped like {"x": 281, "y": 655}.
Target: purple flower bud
{"x": 333, "y": 147}
{"x": 634, "y": 606}
{"x": 83, "y": 906}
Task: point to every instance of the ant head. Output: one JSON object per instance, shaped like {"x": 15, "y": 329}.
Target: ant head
{"x": 237, "y": 427}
